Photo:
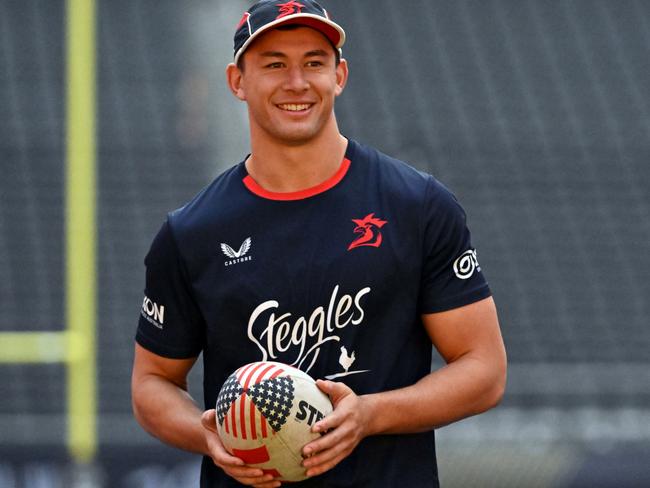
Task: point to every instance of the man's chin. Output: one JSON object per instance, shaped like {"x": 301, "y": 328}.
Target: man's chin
{"x": 297, "y": 137}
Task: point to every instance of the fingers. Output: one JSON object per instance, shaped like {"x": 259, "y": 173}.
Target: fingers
{"x": 343, "y": 429}
{"x": 263, "y": 481}
{"x": 339, "y": 435}
{"x": 345, "y": 403}
{"x": 336, "y": 391}
{"x": 231, "y": 465}
{"x": 272, "y": 484}
{"x": 328, "y": 454}
{"x": 246, "y": 475}
{"x": 331, "y": 421}
{"x": 209, "y": 420}
{"x": 228, "y": 462}
{"x": 325, "y": 466}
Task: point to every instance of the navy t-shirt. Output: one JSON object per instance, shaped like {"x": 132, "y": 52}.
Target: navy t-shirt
{"x": 332, "y": 279}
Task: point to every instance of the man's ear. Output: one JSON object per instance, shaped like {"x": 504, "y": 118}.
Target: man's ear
{"x": 234, "y": 78}
{"x": 341, "y": 76}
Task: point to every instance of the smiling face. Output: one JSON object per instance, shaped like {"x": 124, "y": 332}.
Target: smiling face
{"x": 290, "y": 81}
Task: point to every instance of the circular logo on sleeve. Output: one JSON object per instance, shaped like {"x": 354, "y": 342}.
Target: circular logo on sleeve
{"x": 466, "y": 264}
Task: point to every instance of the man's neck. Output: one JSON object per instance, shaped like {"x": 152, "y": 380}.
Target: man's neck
{"x": 289, "y": 168}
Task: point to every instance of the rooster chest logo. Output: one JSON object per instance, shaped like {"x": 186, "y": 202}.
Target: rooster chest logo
{"x": 369, "y": 230}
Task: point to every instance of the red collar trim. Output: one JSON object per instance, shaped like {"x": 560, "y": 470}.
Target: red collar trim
{"x": 252, "y": 185}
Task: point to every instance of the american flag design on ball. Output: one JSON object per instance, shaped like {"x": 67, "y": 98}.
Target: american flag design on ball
{"x": 265, "y": 411}
{"x": 252, "y": 395}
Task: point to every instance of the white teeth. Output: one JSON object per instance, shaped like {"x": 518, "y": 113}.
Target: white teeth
{"x": 294, "y": 107}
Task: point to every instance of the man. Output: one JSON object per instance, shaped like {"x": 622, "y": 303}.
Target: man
{"x": 323, "y": 253}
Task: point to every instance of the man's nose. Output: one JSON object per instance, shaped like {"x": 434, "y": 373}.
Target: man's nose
{"x": 296, "y": 80}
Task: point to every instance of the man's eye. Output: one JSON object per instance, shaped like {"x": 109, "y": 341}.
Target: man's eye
{"x": 274, "y": 65}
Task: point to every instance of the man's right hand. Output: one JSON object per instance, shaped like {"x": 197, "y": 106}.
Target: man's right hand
{"x": 232, "y": 466}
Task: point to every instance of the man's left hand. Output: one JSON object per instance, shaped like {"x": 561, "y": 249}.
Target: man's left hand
{"x": 342, "y": 429}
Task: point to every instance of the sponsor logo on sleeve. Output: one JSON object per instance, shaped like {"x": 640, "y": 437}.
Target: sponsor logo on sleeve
{"x": 154, "y": 313}
{"x": 466, "y": 264}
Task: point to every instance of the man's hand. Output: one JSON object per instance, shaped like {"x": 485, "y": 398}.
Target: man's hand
{"x": 343, "y": 429}
{"x": 232, "y": 466}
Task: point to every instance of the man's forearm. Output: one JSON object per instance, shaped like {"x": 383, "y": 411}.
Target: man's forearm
{"x": 463, "y": 388}
{"x": 169, "y": 413}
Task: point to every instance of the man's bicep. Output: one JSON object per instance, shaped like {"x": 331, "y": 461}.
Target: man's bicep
{"x": 147, "y": 363}
{"x": 471, "y": 329}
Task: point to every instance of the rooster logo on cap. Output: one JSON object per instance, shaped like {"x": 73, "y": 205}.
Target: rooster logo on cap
{"x": 289, "y": 8}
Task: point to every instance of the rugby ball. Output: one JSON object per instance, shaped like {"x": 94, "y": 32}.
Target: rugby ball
{"x": 265, "y": 411}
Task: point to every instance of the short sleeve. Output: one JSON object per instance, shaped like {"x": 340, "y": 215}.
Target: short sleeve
{"x": 170, "y": 323}
{"x": 451, "y": 274}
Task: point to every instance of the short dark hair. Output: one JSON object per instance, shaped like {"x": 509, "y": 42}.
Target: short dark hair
{"x": 288, "y": 27}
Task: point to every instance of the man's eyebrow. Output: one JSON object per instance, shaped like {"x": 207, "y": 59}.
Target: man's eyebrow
{"x": 316, "y": 52}
{"x": 280, "y": 54}
{"x": 273, "y": 54}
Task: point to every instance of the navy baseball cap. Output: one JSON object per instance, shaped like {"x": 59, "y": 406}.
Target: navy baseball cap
{"x": 268, "y": 14}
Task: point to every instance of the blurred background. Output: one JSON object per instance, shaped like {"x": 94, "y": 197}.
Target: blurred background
{"x": 535, "y": 113}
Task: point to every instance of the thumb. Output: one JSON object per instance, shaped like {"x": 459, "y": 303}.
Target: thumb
{"x": 335, "y": 390}
{"x": 209, "y": 420}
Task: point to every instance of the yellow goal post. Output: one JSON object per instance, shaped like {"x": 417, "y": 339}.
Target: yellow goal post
{"x": 75, "y": 346}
